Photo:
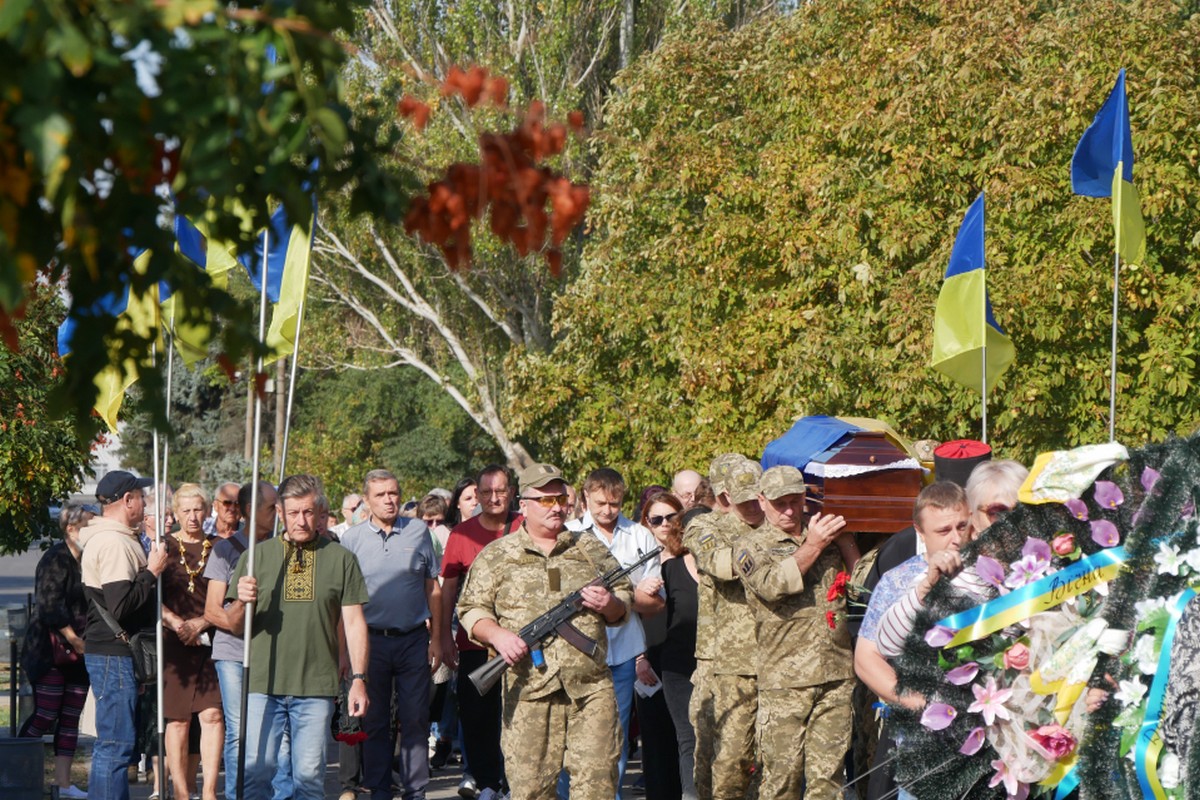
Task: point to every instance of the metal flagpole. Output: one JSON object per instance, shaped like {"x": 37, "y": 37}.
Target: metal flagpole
{"x": 1112, "y": 390}
{"x": 251, "y": 533}
{"x": 160, "y": 497}
{"x": 159, "y": 521}
{"x": 287, "y": 419}
{"x": 983, "y": 372}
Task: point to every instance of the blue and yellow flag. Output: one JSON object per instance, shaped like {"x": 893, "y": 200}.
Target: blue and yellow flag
{"x": 214, "y": 257}
{"x": 963, "y": 325}
{"x": 1103, "y": 167}
{"x": 137, "y": 313}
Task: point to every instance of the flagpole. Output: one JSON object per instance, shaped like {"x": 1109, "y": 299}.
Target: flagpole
{"x": 161, "y": 493}
{"x": 983, "y": 388}
{"x": 1112, "y": 390}
{"x": 287, "y": 419}
{"x": 159, "y": 521}
{"x": 251, "y": 531}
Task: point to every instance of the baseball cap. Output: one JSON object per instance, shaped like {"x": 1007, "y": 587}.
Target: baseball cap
{"x": 718, "y": 470}
{"x": 781, "y": 481}
{"x": 114, "y": 485}
{"x": 742, "y": 482}
{"x": 536, "y": 476}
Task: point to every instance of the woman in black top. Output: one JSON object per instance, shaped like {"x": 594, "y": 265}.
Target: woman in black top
{"x": 663, "y": 515}
{"x": 52, "y": 655}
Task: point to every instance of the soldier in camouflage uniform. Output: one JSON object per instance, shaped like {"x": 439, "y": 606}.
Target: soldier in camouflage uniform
{"x": 805, "y": 668}
{"x": 731, "y": 692}
{"x": 562, "y": 714}
{"x": 700, "y": 711}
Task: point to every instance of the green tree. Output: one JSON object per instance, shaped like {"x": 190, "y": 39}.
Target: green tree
{"x": 774, "y": 208}
{"x": 42, "y": 457}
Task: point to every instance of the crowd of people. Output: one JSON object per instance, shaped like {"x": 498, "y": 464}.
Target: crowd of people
{"x": 728, "y": 652}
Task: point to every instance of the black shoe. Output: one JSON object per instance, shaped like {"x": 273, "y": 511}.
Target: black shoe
{"x": 441, "y": 754}
{"x": 467, "y": 789}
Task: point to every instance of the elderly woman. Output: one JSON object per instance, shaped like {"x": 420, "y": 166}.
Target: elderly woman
{"x": 52, "y": 656}
{"x": 189, "y": 677}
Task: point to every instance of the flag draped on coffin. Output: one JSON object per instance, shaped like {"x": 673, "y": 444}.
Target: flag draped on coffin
{"x": 1103, "y": 167}
{"x": 214, "y": 257}
{"x": 289, "y": 251}
{"x": 137, "y": 313}
{"x": 963, "y": 324}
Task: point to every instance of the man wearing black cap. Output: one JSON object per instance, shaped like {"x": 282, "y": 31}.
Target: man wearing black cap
{"x": 121, "y": 579}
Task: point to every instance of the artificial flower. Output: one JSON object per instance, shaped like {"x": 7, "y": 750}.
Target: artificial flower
{"x": 1168, "y": 771}
{"x": 1038, "y": 548}
{"x": 964, "y": 674}
{"x": 1130, "y": 693}
{"x": 1104, "y": 533}
{"x": 1027, "y": 570}
{"x": 1063, "y": 544}
{"x": 1143, "y": 653}
{"x": 1016, "y": 657}
{"x": 1192, "y": 558}
{"x": 1004, "y": 775}
{"x": 1108, "y": 494}
{"x": 1053, "y": 741}
{"x": 973, "y": 743}
{"x": 1149, "y": 478}
{"x": 989, "y": 701}
{"x": 1168, "y": 559}
{"x": 1144, "y": 608}
{"x": 989, "y": 569}
{"x": 1189, "y": 508}
{"x": 939, "y": 636}
{"x": 1078, "y": 508}
{"x": 938, "y": 716}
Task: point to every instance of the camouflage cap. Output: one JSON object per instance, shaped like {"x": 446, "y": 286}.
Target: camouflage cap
{"x": 535, "y": 476}
{"x": 781, "y": 481}
{"x": 742, "y": 483}
{"x": 718, "y": 471}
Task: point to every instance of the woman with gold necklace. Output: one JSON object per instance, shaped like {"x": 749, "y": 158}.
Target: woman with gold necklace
{"x": 189, "y": 677}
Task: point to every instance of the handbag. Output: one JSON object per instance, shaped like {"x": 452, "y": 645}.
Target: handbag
{"x": 142, "y": 646}
{"x": 61, "y": 651}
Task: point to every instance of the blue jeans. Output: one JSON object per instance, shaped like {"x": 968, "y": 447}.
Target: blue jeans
{"x": 116, "y": 693}
{"x": 229, "y": 673}
{"x": 272, "y": 717}
{"x": 624, "y": 676}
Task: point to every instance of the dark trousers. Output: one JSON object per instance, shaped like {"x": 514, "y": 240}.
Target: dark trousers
{"x": 399, "y": 666}
{"x": 660, "y": 751}
{"x": 479, "y": 718}
{"x": 882, "y": 782}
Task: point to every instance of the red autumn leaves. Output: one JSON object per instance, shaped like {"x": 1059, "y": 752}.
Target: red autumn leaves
{"x": 528, "y": 201}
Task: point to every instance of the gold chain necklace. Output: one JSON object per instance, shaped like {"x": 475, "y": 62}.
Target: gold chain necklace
{"x": 192, "y": 573}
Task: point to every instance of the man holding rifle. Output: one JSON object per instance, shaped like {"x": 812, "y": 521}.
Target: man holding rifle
{"x": 560, "y": 710}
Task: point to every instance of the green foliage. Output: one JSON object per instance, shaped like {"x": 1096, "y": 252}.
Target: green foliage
{"x": 86, "y": 149}
{"x": 358, "y": 420}
{"x": 42, "y": 458}
{"x": 774, "y": 208}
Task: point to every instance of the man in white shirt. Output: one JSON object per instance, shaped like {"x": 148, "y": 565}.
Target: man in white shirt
{"x": 603, "y": 492}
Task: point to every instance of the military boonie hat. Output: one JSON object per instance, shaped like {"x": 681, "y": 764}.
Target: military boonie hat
{"x": 742, "y": 483}
{"x": 718, "y": 471}
{"x": 781, "y": 481}
{"x": 536, "y": 476}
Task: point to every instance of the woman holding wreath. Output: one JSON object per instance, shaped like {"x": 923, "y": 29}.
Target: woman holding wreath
{"x": 189, "y": 677}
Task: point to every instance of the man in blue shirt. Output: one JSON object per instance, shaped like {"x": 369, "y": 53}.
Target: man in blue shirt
{"x": 397, "y": 560}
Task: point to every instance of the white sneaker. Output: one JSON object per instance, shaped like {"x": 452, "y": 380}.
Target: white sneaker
{"x": 73, "y": 792}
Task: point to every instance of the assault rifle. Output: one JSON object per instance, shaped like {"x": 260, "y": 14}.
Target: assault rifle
{"x": 556, "y": 621}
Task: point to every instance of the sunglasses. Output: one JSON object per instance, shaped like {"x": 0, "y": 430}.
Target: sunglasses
{"x": 995, "y": 510}
{"x": 226, "y": 503}
{"x": 655, "y": 520}
{"x": 549, "y": 500}
{"x": 434, "y": 520}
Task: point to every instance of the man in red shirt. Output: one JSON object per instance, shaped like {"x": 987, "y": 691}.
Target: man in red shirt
{"x": 478, "y": 714}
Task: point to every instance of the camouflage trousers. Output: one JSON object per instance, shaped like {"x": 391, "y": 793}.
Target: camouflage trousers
{"x": 804, "y": 735}
{"x": 725, "y": 740}
{"x": 543, "y": 736}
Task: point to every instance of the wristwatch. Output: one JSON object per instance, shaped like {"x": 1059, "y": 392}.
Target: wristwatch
{"x": 359, "y": 676}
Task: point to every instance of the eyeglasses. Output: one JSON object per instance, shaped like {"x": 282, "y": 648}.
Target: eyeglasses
{"x": 434, "y": 520}
{"x": 226, "y": 503}
{"x": 549, "y": 500}
{"x": 995, "y": 510}
{"x": 655, "y": 520}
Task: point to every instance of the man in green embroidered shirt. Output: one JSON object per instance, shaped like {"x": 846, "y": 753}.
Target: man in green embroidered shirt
{"x": 303, "y": 585}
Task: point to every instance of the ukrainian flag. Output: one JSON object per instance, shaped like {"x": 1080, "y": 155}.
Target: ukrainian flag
{"x": 214, "y": 257}
{"x": 964, "y": 327}
{"x": 137, "y": 313}
{"x": 1102, "y": 166}
{"x": 288, "y": 255}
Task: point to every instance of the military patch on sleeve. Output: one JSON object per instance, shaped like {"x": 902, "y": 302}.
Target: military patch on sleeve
{"x": 745, "y": 562}
{"x": 708, "y": 541}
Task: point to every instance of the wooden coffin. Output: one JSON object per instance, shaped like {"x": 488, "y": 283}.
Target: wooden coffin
{"x": 875, "y": 501}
